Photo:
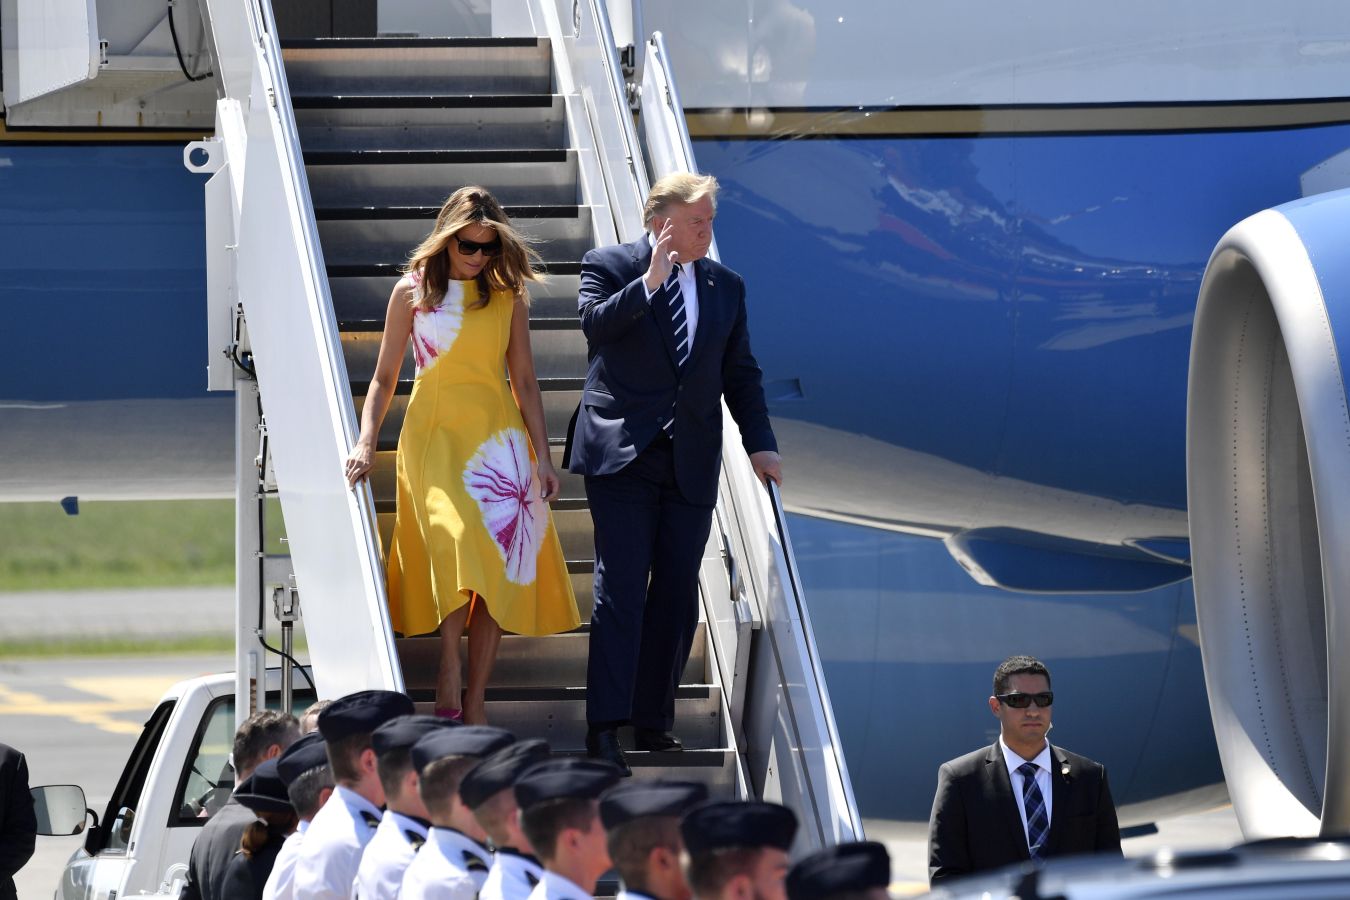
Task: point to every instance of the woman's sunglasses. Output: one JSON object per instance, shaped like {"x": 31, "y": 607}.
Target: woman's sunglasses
{"x": 1022, "y": 701}
{"x": 469, "y": 248}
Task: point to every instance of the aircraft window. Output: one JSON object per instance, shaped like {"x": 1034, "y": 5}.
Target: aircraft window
{"x": 208, "y": 776}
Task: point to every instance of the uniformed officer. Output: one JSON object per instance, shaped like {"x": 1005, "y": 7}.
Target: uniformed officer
{"x": 858, "y": 870}
{"x": 642, "y": 827}
{"x": 488, "y": 790}
{"x": 263, "y": 792}
{"x": 331, "y": 851}
{"x": 738, "y": 850}
{"x": 403, "y": 828}
{"x": 453, "y": 863}
{"x": 309, "y": 783}
{"x": 560, "y": 814}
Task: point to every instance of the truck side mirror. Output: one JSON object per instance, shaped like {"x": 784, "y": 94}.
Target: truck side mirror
{"x": 60, "y": 809}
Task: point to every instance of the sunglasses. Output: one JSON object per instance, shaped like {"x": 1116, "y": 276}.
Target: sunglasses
{"x": 1022, "y": 701}
{"x": 469, "y": 248}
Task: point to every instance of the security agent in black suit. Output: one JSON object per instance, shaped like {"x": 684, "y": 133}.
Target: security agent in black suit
{"x": 1021, "y": 798}
{"x": 667, "y": 340}
{"x": 18, "y": 822}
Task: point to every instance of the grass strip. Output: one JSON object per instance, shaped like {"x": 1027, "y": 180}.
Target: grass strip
{"x": 130, "y": 645}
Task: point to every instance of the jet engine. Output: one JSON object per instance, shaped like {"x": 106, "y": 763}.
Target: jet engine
{"x": 1268, "y": 483}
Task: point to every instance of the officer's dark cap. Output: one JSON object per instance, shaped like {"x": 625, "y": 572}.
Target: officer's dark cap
{"x": 565, "y": 778}
{"x": 500, "y": 771}
{"x": 844, "y": 868}
{"x": 401, "y": 733}
{"x": 636, "y": 799}
{"x": 310, "y": 752}
{"x": 715, "y": 826}
{"x": 264, "y": 790}
{"x": 362, "y": 713}
{"x": 466, "y": 740}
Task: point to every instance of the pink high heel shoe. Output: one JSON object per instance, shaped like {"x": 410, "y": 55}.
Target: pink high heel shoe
{"x": 449, "y": 712}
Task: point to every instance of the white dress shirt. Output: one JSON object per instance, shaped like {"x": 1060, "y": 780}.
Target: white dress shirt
{"x": 281, "y": 883}
{"x": 688, "y": 292}
{"x": 512, "y": 877}
{"x": 388, "y": 856}
{"x": 1042, "y": 762}
{"x": 450, "y": 866}
{"x": 331, "y": 852}
{"x": 555, "y": 887}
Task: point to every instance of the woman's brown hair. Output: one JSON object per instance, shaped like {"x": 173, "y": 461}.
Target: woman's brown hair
{"x": 509, "y": 270}
{"x": 267, "y": 824}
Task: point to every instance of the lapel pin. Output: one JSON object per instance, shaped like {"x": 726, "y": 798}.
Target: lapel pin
{"x": 1064, "y": 769}
{"x": 710, "y": 284}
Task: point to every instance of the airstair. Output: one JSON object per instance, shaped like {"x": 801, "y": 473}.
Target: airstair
{"x": 330, "y": 160}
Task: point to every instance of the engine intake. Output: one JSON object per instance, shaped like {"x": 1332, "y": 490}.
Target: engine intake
{"x": 1268, "y": 483}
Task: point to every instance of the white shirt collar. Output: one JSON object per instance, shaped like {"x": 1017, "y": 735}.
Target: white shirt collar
{"x": 1014, "y": 760}
{"x": 556, "y": 885}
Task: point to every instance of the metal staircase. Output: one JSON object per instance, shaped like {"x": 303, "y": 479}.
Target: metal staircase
{"x": 377, "y": 121}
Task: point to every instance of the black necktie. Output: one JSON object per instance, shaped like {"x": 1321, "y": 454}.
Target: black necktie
{"x": 1038, "y": 823}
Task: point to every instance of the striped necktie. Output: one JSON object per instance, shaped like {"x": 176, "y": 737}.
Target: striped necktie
{"x": 1038, "y": 823}
{"x": 679, "y": 326}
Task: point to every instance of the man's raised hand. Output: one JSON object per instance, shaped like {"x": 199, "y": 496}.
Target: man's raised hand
{"x": 663, "y": 258}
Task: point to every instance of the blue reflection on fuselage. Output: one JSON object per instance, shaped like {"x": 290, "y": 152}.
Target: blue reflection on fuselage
{"x": 1018, "y": 305}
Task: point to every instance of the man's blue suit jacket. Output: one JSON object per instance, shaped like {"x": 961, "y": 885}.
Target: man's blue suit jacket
{"x": 632, "y": 377}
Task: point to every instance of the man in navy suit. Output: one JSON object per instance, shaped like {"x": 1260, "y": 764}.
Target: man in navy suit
{"x": 1020, "y": 799}
{"x": 667, "y": 341}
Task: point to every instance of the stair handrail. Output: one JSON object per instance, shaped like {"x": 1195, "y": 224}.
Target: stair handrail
{"x": 253, "y": 81}
{"x": 760, "y": 513}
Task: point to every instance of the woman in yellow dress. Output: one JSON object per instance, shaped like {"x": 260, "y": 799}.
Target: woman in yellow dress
{"x": 474, "y": 544}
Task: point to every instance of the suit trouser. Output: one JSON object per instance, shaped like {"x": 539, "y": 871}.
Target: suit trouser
{"x": 649, "y": 542}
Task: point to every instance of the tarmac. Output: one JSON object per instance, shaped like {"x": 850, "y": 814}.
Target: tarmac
{"x": 77, "y": 718}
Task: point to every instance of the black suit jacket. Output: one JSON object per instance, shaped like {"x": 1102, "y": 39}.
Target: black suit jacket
{"x": 18, "y": 823}
{"x": 975, "y": 825}
{"x": 632, "y": 378}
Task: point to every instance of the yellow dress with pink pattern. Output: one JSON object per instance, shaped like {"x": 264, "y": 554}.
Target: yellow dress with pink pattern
{"x": 469, "y": 519}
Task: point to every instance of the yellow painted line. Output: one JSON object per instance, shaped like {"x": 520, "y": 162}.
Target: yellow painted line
{"x": 143, "y": 690}
{"x": 97, "y": 714}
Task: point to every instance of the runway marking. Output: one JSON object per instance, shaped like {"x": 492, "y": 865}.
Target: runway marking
{"x": 125, "y": 694}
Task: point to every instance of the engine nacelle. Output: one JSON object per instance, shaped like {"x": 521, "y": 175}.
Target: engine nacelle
{"x": 1268, "y": 483}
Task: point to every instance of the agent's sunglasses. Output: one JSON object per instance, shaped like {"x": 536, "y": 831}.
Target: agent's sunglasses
{"x": 1022, "y": 701}
{"x": 469, "y": 248}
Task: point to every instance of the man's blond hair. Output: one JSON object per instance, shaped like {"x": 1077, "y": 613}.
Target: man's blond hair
{"x": 679, "y": 187}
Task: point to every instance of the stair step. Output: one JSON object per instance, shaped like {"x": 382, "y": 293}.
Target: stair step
{"x": 552, "y": 661}
{"x": 421, "y": 101}
{"x": 558, "y": 408}
{"x": 558, "y": 715}
{"x": 714, "y": 768}
{"x": 557, "y": 355}
{"x": 384, "y": 474}
{"x": 392, "y": 272}
{"x": 472, "y": 124}
{"x": 376, "y": 241}
{"x": 575, "y": 531}
{"x": 428, "y": 213}
{"x": 426, "y": 177}
{"x": 418, "y": 66}
{"x": 367, "y": 297}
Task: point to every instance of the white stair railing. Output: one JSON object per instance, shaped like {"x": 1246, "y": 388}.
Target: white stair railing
{"x": 277, "y": 272}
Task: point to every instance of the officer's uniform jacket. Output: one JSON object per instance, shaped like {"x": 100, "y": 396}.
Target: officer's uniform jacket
{"x": 281, "y": 883}
{"x": 450, "y": 866}
{"x": 555, "y": 887}
{"x": 331, "y": 852}
{"x": 388, "y": 856}
{"x": 512, "y": 876}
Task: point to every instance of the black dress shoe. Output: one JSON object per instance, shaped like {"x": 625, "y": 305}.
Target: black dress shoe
{"x": 654, "y": 740}
{"x": 605, "y": 745}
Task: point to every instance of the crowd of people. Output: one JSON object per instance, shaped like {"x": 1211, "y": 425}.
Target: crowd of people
{"x": 379, "y": 802}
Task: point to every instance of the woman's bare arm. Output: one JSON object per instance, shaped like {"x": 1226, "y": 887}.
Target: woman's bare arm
{"x": 393, "y": 345}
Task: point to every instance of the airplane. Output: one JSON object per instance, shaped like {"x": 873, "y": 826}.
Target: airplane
{"x": 974, "y": 240}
